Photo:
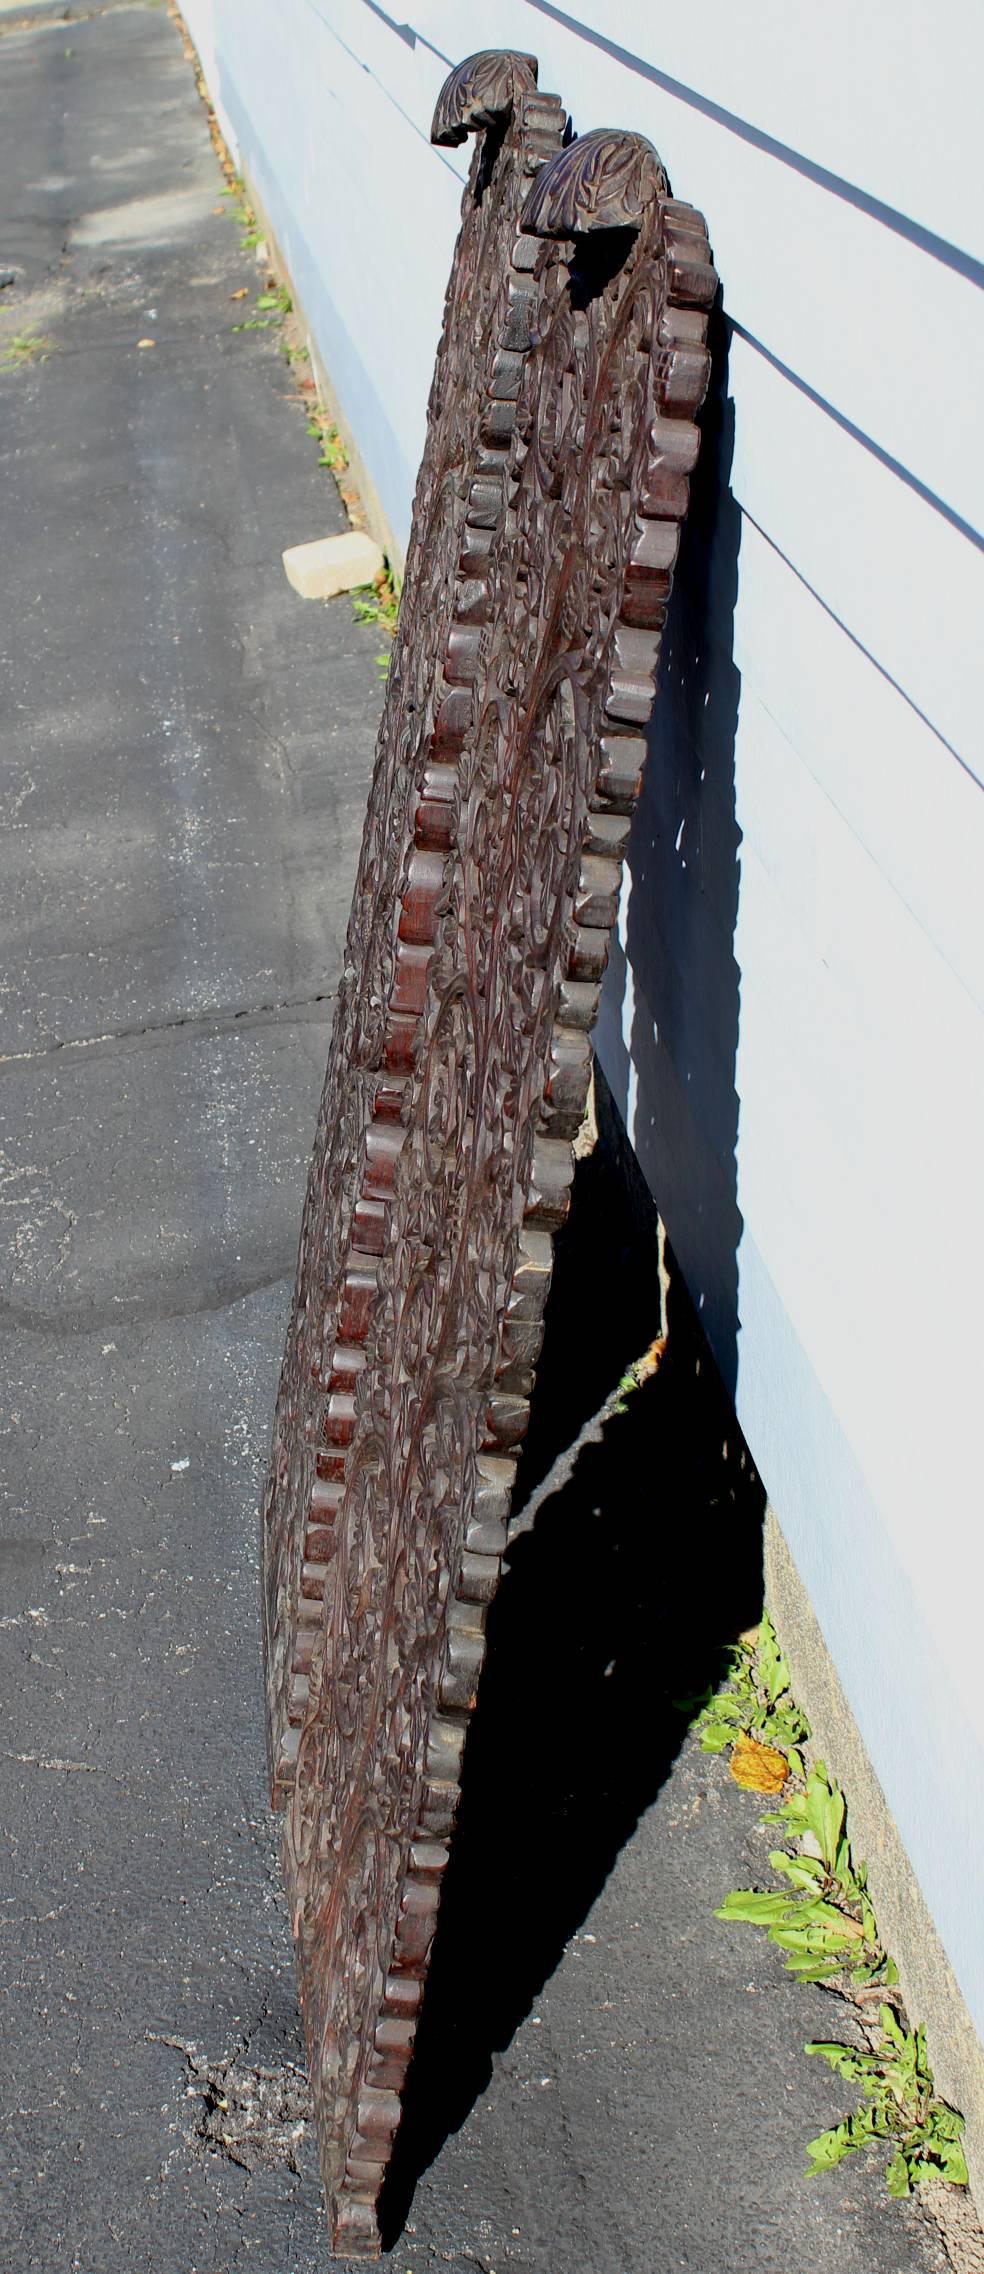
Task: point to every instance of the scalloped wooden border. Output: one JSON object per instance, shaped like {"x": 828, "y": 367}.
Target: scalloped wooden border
{"x": 682, "y": 370}
{"x": 541, "y": 122}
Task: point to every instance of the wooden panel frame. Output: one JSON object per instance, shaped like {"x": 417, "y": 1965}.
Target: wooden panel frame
{"x": 524, "y": 678}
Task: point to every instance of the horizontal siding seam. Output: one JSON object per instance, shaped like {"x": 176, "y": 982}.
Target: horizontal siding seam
{"x": 938, "y": 248}
{"x": 859, "y": 644}
{"x": 385, "y": 91}
{"x": 857, "y": 434}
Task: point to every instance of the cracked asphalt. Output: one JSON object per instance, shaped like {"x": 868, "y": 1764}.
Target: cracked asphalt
{"x": 609, "y": 2079}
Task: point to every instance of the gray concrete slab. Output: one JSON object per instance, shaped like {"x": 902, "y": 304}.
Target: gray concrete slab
{"x": 168, "y": 821}
{"x": 609, "y": 2081}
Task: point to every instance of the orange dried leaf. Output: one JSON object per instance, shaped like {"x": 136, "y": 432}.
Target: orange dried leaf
{"x": 757, "y": 1767}
{"x": 649, "y": 1363}
{"x": 242, "y": 294}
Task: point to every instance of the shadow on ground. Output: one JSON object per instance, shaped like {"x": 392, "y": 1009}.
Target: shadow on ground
{"x": 639, "y": 1568}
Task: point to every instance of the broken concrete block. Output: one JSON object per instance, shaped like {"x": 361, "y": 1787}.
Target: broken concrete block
{"x": 332, "y": 564}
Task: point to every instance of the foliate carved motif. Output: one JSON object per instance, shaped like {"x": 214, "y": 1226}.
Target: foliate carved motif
{"x": 490, "y": 884}
{"x": 606, "y": 180}
{"x": 372, "y": 1062}
{"x": 481, "y": 92}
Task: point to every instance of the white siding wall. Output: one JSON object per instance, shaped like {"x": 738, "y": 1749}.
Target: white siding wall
{"x": 793, "y": 1023}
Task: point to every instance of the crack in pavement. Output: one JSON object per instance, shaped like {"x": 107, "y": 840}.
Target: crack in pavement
{"x": 195, "y": 1024}
{"x": 65, "y": 1768}
{"x": 254, "y": 2115}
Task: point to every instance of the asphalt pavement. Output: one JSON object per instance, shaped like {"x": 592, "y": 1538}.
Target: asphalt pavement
{"x": 610, "y": 2081}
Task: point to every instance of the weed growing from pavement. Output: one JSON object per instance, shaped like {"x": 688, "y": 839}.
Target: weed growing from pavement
{"x": 250, "y": 232}
{"x": 756, "y": 1699}
{"x": 24, "y": 348}
{"x": 823, "y": 1920}
{"x": 824, "y": 1923}
{"x": 898, "y": 2108}
{"x": 333, "y": 454}
{"x": 641, "y": 1370}
{"x": 376, "y": 603}
{"x": 278, "y": 299}
{"x": 379, "y": 603}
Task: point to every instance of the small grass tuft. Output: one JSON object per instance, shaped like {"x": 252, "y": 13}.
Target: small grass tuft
{"x": 333, "y": 454}
{"x": 25, "y": 348}
{"x": 379, "y": 603}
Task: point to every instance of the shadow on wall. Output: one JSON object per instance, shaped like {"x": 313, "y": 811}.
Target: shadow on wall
{"x": 644, "y": 1560}
{"x": 677, "y": 1006}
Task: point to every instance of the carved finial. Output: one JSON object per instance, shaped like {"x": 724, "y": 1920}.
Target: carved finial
{"x": 481, "y": 91}
{"x": 604, "y": 180}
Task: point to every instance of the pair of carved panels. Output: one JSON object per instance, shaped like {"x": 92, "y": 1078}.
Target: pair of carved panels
{"x": 560, "y": 438}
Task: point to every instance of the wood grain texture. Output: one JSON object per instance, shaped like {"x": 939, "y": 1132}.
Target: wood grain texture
{"x": 569, "y": 374}
{"x": 363, "y": 1112}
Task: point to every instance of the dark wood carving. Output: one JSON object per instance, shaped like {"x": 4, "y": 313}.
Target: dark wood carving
{"x": 560, "y": 441}
{"x": 363, "y": 1113}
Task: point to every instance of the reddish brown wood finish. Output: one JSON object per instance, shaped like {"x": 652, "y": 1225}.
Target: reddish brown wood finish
{"x": 409, "y": 831}
{"x": 510, "y": 756}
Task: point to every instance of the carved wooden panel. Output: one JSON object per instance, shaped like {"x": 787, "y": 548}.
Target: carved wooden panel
{"x": 546, "y": 528}
{"x": 470, "y": 416}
